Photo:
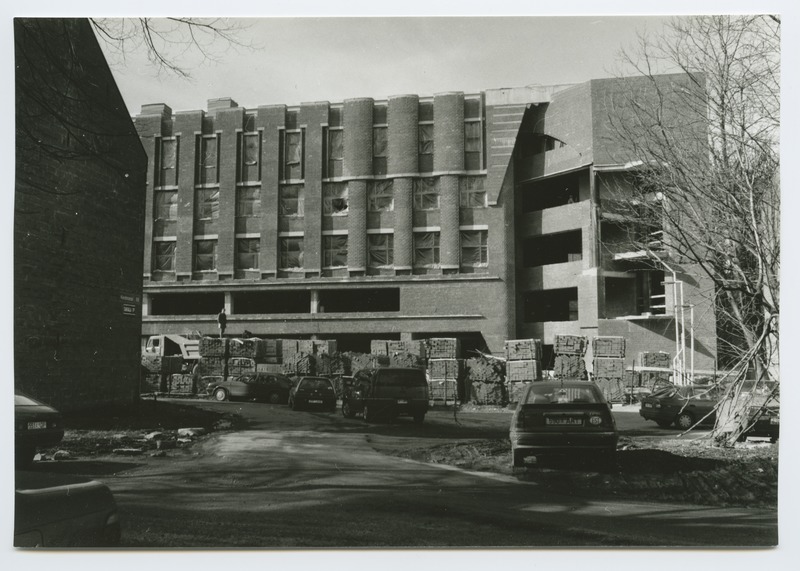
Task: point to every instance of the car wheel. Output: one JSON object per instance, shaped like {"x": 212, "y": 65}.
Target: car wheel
{"x": 684, "y": 421}
{"x": 220, "y": 395}
{"x": 419, "y": 418}
{"x": 664, "y": 423}
{"x": 274, "y": 398}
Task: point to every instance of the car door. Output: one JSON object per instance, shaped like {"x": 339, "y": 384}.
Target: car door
{"x": 240, "y": 386}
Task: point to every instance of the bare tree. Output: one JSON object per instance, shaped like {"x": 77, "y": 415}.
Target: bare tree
{"x": 707, "y": 175}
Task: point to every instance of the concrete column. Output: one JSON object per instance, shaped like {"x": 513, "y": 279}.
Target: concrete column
{"x": 357, "y": 227}
{"x": 314, "y": 301}
{"x": 187, "y": 128}
{"x": 403, "y": 119}
{"x": 448, "y": 132}
{"x": 228, "y": 303}
{"x": 403, "y": 224}
{"x": 145, "y": 304}
{"x": 357, "y": 123}
{"x": 449, "y": 237}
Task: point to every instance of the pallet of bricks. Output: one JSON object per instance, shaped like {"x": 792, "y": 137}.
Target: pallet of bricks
{"x": 157, "y": 373}
{"x": 569, "y": 353}
{"x": 649, "y": 379}
{"x": 609, "y": 366}
{"x": 444, "y": 369}
{"x": 523, "y": 366}
{"x": 298, "y": 357}
{"x": 485, "y": 381}
{"x": 213, "y": 363}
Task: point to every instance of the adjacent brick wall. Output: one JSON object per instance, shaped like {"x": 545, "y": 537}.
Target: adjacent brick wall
{"x": 78, "y": 226}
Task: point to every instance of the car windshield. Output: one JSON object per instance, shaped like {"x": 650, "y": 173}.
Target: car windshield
{"x": 315, "y": 384}
{"x": 401, "y": 379}
{"x": 22, "y": 400}
{"x": 549, "y": 394}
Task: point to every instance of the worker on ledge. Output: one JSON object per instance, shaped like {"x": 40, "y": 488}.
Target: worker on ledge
{"x": 222, "y": 321}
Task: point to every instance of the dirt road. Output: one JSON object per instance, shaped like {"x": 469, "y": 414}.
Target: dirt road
{"x": 305, "y": 479}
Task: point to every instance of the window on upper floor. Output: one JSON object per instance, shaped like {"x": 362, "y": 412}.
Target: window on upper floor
{"x": 380, "y": 196}
{"x": 426, "y": 249}
{"x": 206, "y": 203}
{"x": 292, "y": 147}
{"x": 248, "y": 202}
{"x": 250, "y": 157}
{"x": 167, "y": 172}
{"x": 290, "y": 252}
{"x": 335, "y": 152}
{"x": 334, "y": 251}
{"x": 474, "y": 248}
{"x": 247, "y": 250}
{"x": 426, "y": 194}
{"x": 334, "y": 199}
{"x": 164, "y": 256}
{"x": 290, "y": 200}
{"x": 471, "y": 192}
{"x": 379, "y": 149}
{"x": 205, "y": 255}
{"x": 208, "y": 160}
{"x": 381, "y": 250}
{"x": 165, "y": 205}
{"x": 473, "y": 135}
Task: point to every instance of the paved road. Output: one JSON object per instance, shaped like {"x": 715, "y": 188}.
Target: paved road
{"x": 305, "y": 479}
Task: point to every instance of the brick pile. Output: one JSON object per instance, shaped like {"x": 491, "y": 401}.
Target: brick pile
{"x": 181, "y": 384}
{"x": 213, "y": 347}
{"x": 443, "y": 348}
{"x": 609, "y": 365}
{"x": 299, "y": 364}
{"x": 660, "y": 359}
{"x": 485, "y": 381}
{"x": 400, "y": 359}
{"x": 415, "y": 347}
{"x": 324, "y": 346}
{"x": 379, "y": 347}
{"x": 569, "y": 357}
{"x": 240, "y": 365}
{"x": 523, "y": 365}
{"x": 249, "y": 348}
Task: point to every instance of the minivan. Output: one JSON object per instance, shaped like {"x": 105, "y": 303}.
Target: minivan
{"x": 386, "y": 392}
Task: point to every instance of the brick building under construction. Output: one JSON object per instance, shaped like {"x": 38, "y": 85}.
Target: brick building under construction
{"x": 485, "y": 217}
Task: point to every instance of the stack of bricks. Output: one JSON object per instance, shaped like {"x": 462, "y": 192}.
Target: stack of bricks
{"x": 443, "y": 348}
{"x": 654, "y": 359}
{"x": 323, "y": 346}
{"x": 182, "y": 384}
{"x": 240, "y": 366}
{"x": 416, "y": 347}
{"x": 569, "y": 357}
{"x": 248, "y": 348}
{"x": 269, "y": 351}
{"x": 485, "y": 381}
{"x": 444, "y": 369}
{"x": 523, "y": 365}
{"x": 609, "y": 365}
{"x": 408, "y": 360}
{"x": 299, "y": 364}
{"x": 379, "y": 347}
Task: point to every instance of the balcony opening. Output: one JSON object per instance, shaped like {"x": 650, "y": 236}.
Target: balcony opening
{"x": 359, "y": 300}
{"x": 551, "y": 305}
{"x": 551, "y": 192}
{"x": 186, "y": 304}
{"x": 641, "y": 294}
{"x": 552, "y": 249}
{"x": 272, "y": 302}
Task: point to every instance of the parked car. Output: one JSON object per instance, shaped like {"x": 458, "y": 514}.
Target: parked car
{"x": 312, "y": 392}
{"x": 763, "y": 408}
{"x": 57, "y": 510}
{"x": 386, "y": 392}
{"x": 36, "y": 425}
{"x": 569, "y": 417}
{"x": 683, "y": 406}
{"x": 269, "y": 387}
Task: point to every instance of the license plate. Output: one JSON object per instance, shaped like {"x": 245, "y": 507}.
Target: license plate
{"x": 400, "y": 401}
{"x": 564, "y": 421}
{"x": 37, "y": 425}
{"x": 648, "y": 405}
{"x": 315, "y": 402}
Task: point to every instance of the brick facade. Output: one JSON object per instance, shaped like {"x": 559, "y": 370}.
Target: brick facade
{"x": 78, "y": 224}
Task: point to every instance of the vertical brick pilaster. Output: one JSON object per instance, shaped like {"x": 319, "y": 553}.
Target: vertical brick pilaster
{"x": 148, "y": 128}
{"x": 403, "y": 118}
{"x": 448, "y": 132}
{"x": 228, "y": 121}
{"x": 403, "y": 218}
{"x": 187, "y": 126}
{"x": 357, "y": 227}
{"x": 270, "y": 118}
{"x": 312, "y": 117}
{"x": 449, "y": 240}
{"x": 357, "y": 137}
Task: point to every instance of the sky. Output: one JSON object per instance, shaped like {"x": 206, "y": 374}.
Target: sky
{"x": 295, "y": 60}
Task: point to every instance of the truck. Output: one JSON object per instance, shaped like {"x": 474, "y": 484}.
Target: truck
{"x": 183, "y": 351}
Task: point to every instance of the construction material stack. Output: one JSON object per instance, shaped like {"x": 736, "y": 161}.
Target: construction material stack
{"x": 485, "y": 381}
{"x": 523, "y": 365}
{"x": 444, "y": 369}
{"x": 648, "y": 379}
{"x": 569, "y": 353}
{"x": 609, "y": 365}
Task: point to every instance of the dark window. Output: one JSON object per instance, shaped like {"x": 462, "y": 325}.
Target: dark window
{"x": 334, "y": 199}
{"x": 250, "y": 157}
{"x": 474, "y": 249}
{"x": 551, "y": 305}
{"x": 167, "y": 174}
{"x": 425, "y": 132}
{"x": 166, "y": 205}
{"x": 335, "y": 144}
{"x": 205, "y": 255}
{"x": 334, "y": 251}
{"x": 164, "y": 256}
{"x": 471, "y": 192}
{"x": 206, "y": 203}
{"x": 208, "y": 160}
{"x": 380, "y": 196}
{"x": 381, "y": 249}
{"x": 247, "y": 250}
{"x": 426, "y": 249}
{"x": 248, "y": 202}
{"x": 426, "y": 194}
{"x": 291, "y": 200}
{"x": 291, "y": 253}
{"x": 379, "y": 149}
{"x": 292, "y": 155}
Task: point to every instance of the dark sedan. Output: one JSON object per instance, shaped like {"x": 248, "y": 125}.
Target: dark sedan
{"x": 316, "y": 392}
{"x": 36, "y": 425}
{"x": 683, "y": 406}
{"x": 268, "y": 387}
{"x": 563, "y": 418}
